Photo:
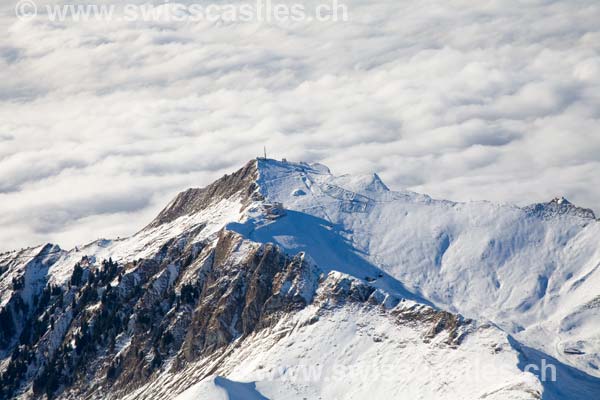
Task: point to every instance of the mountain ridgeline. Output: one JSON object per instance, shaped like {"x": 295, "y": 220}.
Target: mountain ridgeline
{"x": 281, "y": 265}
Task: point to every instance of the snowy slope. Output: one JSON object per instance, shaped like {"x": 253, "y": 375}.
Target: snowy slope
{"x": 147, "y": 242}
{"x": 537, "y": 276}
{"x": 356, "y": 355}
{"x": 533, "y": 272}
{"x": 357, "y": 352}
{"x": 31, "y": 265}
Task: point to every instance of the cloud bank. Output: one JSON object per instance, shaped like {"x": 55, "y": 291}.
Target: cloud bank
{"x": 101, "y": 123}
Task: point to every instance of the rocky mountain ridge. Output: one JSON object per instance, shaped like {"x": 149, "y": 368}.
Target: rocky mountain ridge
{"x": 285, "y": 247}
{"x": 559, "y": 206}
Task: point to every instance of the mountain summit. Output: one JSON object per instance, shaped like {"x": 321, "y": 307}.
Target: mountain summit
{"x": 283, "y": 280}
{"x": 560, "y": 206}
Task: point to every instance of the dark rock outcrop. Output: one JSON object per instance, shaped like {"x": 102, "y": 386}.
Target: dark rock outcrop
{"x": 559, "y": 206}
{"x": 241, "y": 183}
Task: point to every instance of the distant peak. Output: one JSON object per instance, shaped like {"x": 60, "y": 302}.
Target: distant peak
{"x": 561, "y": 200}
{"x": 559, "y": 206}
{"x": 285, "y": 164}
{"x": 240, "y": 185}
{"x": 377, "y": 182}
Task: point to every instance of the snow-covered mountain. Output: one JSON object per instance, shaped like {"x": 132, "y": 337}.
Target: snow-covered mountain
{"x": 283, "y": 281}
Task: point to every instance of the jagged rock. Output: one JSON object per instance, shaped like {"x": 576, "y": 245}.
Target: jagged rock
{"x": 226, "y": 267}
{"x": 559, "y": 206}
{"x": 241, "y": 183}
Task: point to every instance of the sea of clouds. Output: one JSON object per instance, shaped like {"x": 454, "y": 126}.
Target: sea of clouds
{"x": 102, "y": 122}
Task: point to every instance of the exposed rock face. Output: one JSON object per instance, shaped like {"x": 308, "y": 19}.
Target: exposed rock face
{"x": 116, "y": 325}
{"x": 24, "y": 276}
{"x": 559, "y": 206}
{"x": 203, "y": 280}
{"x": 150, "y": 308}
{"x": 237, "y": 296}
{"x": 241, "y": 183}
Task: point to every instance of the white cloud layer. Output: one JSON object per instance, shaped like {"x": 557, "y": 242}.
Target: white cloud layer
{"x": 101, "y": 123}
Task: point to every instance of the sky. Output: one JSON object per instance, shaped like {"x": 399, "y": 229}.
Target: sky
{"x": 103, "y": 122}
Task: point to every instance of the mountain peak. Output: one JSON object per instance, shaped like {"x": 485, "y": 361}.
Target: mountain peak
{"x": 240, "y": 184}
{"x": 559, "y": 206}
{"x": 278, "y": 245}
{"x": 286, "y": 166}
{"x": 246, "y": 184}
{"x": 560, "y": 200}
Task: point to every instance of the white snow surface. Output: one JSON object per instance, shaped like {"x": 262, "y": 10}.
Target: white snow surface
{"x": 537, "y": 278}
{"x": 32, "y": 264}
{"x": 147, "y": 242}
{"x": 355, "y": 352}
